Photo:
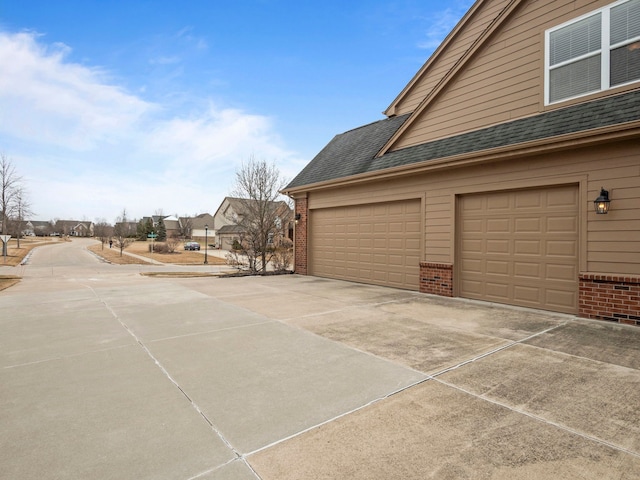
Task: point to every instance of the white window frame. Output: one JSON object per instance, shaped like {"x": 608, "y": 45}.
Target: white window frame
{"x": 605, "y": 53}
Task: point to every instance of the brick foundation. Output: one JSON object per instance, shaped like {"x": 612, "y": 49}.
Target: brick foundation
{"x": 610, "y": 297}
{"x": 300, "y": 248}
{"x": 436, "y": 278}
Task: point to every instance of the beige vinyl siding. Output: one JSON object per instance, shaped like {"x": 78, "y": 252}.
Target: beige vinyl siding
{"x": 615, "y": 168}
{"x": 504, "y": 80}
{"x": 456, "y": 49}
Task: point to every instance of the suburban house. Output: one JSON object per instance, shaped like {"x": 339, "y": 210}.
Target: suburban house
{"x": 182, "y": 227}
{"x": 201, "y": 227}
{"x": 507, "y": 169}
{"x": 172, "y": 226}
{"x": 29, "y": 227}
{"x": 229, "y": 215}
{"x": 171, "y": 223}
{"x": 38, "y": 227}
{"x": 74, "y": 228}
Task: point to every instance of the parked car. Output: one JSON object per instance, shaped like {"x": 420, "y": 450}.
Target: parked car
{"x": 192, "y": 246}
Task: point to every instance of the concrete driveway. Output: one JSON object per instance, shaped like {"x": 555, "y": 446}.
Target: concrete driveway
{"x": 105, "y": 373}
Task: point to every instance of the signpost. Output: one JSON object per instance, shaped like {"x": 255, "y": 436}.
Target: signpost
{"x": 5, "y": 242}
{"x": 152, "y": 236}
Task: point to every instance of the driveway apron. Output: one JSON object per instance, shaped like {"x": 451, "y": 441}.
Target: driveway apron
{"x": 105, "y": 373}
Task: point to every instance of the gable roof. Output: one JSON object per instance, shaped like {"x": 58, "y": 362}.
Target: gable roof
{"x": 349, "y": 154}
{"x": 199, "y": 221}
{"x": 466, "y": 55}
{"x": 230, "y": 229}
{"x": 238, "y": 205}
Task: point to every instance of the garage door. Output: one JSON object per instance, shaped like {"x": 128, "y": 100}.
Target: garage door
{"x": 374, "y": 243}
{"x": 520, "y": 248}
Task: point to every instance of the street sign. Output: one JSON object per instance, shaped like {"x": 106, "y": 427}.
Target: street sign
{"x": 152, "y": 235}
{"x": 5, "y": 246}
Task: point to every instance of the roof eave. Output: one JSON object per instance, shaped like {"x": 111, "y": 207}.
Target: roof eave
{"x": 550, "y": 144}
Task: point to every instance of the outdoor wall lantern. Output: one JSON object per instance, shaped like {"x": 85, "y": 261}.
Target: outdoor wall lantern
{"x": 601, "y": 204}
{"x": 297, "y": 217}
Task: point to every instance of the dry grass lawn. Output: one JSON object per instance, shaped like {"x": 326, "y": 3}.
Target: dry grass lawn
{"x": 7, "y": 281}
{"x": 179, "y": 257}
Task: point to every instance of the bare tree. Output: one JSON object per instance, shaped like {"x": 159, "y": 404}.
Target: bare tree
{"x": 102, "y": 231}
{"x": 172, "y": 243}
{"x": 185, "y": 226}
{"x": 21, "y": 211}
{"x": 10, "y": 185}
{"x": 122, "y": 231}
{"x": 257, "y": 188}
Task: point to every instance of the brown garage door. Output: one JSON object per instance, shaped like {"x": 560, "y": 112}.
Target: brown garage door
{"x": 374, "y": 243}
{"x": 520, "y": 248}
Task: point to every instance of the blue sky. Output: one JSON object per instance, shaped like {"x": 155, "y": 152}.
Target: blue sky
{"x": 152, "y": 106}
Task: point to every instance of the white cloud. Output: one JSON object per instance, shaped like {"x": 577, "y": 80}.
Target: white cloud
{"x": 442, "y": 22}
{"x": 214, "y": 135}
{"x": 89, "y": 148}
{"x": 47, "y": 100}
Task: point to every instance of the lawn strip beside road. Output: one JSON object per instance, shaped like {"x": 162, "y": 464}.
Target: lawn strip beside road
{"x": 142, "y": 249}
{"x": 112, "y": 255}
{"x": 7, "y": 281}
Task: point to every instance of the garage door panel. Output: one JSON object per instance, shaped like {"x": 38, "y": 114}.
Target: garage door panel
{"x": 494, "y": 246}
{"x": 473, "y": 225}
{"x": 380, "y": 244}
{"x": 526, "y": 269}
{"x": 561, "y": 198}
{"x": 497, "y": 267}
{"x": 527, "y": 247}
{"x": 562, "y": 224}
{"x": 497, "y": 291}
{"x": 498, "y": 202}
{"x": 527, "y": 225}
{"x": 412, "y": 244}
{"x": 472, "y": 287}
{"x": 412, "y": 259}
{"x": 472, "y": 245}
{"x": 560, "y": 298}
{"x": 472, "y": 265}
{"x": 562, "y": 248}
{"x": 527, "y": 294}
{"x": 527, "y": 200}
{"x": 498, "y": 225}
{"x": 366, "y": 228}
{"x": 561, "y": 272}
{"x": 413, "y": 227}
{"x": 513, "y": 249}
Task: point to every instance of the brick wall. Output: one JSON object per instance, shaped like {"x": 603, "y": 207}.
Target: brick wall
{"x": 436, "y": 278}
{"x": 300, "y": 252}
{"x": 610, "y": 297}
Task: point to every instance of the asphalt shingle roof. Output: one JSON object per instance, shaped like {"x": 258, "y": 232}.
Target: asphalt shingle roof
{"x": 354, "y": 152}
{"x": 349, "y": 153}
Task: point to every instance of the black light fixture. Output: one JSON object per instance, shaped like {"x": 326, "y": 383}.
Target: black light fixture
{"x": 297, "y": 217}
{"x": 206, "y": 231}
{"x": 601, "y": 204}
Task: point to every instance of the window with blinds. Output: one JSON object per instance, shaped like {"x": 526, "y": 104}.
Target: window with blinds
{"x": 593, "y": 53}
